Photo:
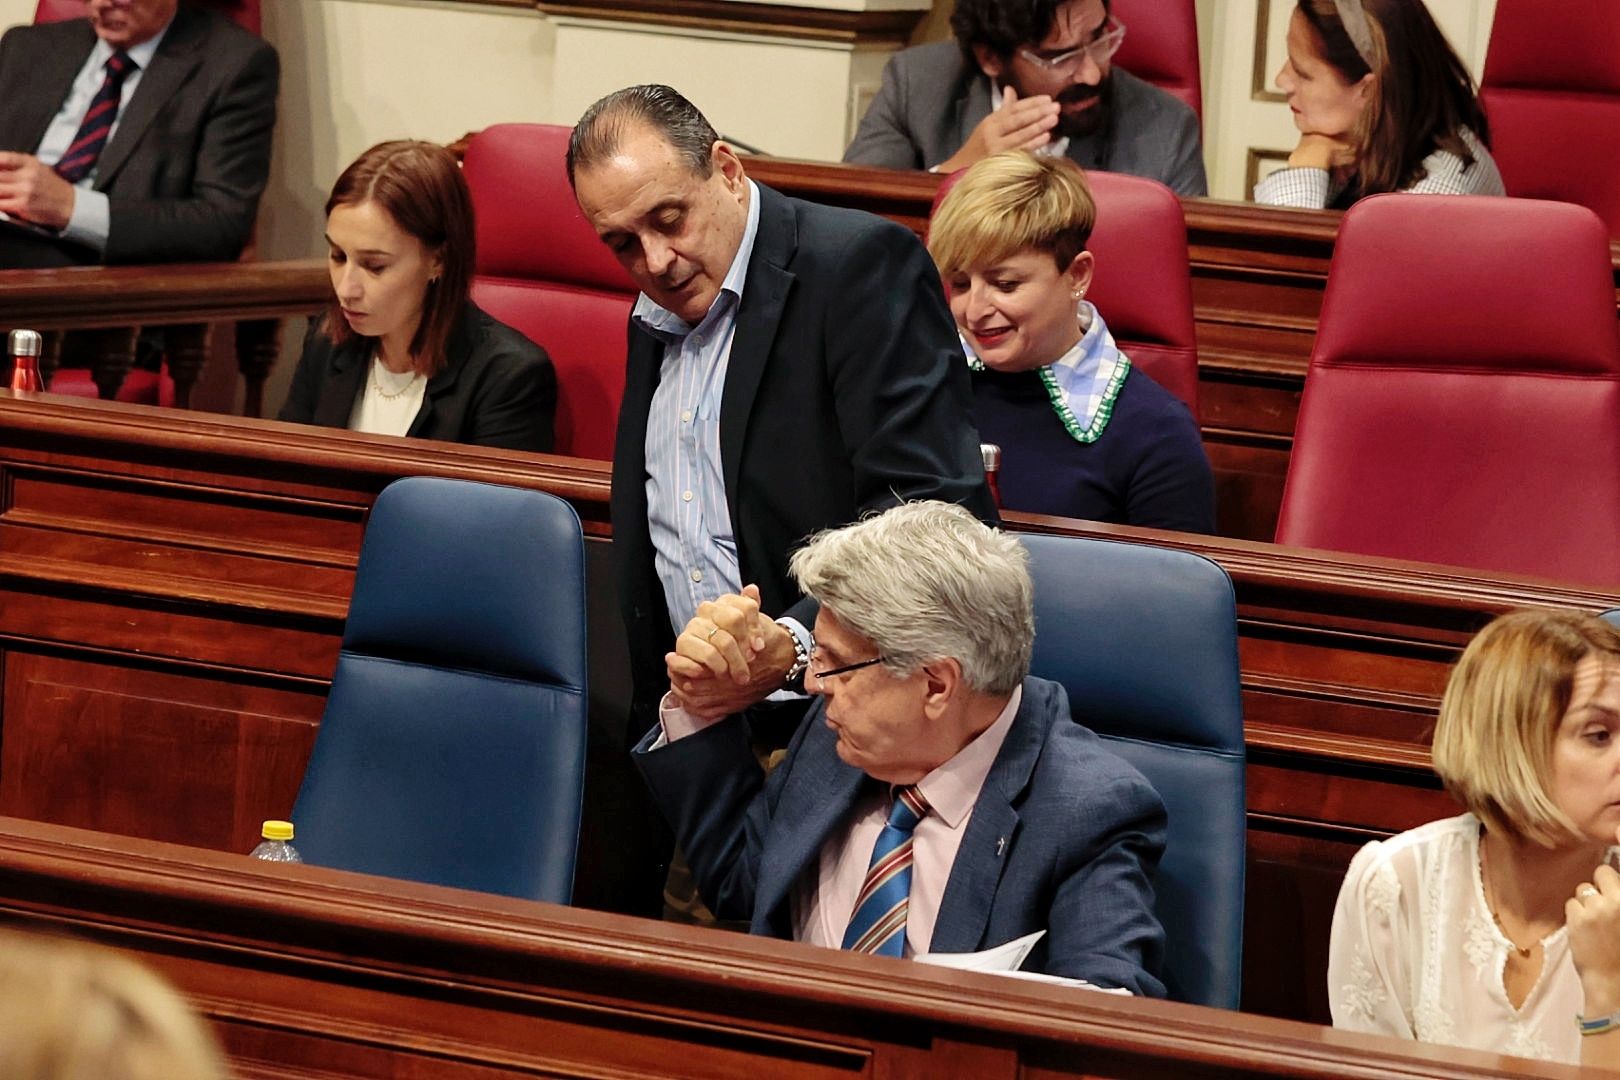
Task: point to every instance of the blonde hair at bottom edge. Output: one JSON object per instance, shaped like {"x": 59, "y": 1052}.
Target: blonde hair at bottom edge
{"x": 70, "y": 1010}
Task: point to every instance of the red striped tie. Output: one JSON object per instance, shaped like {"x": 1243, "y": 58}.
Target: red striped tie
{"x": 878, "y": 924}
{"x": 81, "y": 157}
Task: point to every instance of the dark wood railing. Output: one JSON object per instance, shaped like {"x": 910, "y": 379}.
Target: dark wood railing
{"x": 111, "y": 305}
{"x": 311, "y": 973}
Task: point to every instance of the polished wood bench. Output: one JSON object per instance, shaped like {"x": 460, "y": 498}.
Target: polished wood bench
{"x": 312, "y": 973}
{"x": 173, "y": 589}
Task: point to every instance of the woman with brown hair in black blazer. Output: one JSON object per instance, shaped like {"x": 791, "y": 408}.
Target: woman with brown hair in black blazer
{"x": 402, "y": 350}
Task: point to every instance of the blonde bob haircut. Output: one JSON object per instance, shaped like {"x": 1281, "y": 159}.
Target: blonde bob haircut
{"x": 1009, "y": 203}
{"x": 1499, "y": 718}
{"x": 70, "y": 1009}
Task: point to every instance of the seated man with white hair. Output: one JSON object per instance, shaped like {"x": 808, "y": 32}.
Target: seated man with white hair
{"x": 936, "y": 798}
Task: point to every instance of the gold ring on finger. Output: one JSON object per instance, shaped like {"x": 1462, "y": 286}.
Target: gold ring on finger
{"x": 713, "y": 631}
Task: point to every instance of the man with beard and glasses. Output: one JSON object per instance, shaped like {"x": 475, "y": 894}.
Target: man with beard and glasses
{"x": 1031, "y": 74}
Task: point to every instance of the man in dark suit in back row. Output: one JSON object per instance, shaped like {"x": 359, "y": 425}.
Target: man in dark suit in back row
{"x": 1030, "y": 74}
{"x": 138, "y": 134}
{"x": 790, "y": 367}
{"x": 936, "y": 798}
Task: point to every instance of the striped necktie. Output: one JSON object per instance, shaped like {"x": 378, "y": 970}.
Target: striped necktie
{"x": 879, "y": 923}
{"x": 81, "y": 157}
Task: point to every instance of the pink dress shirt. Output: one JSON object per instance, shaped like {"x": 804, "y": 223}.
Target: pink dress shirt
{"x": 824, "y": 901}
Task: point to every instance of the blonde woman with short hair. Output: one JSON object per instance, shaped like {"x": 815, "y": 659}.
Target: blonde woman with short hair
{"x": 1082, "y": 432}
{"x": 70, "y": 1010}
{"x": 1499, "y": 929}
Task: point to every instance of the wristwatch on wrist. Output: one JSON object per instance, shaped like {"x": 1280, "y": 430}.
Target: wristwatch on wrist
{"x": 801, "y": 654}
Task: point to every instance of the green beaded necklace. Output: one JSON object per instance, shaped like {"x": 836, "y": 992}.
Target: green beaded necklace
{"x": 1060, "y": 403}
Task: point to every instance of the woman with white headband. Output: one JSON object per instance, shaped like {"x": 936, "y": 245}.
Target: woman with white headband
{"x": 1382, "y": 103}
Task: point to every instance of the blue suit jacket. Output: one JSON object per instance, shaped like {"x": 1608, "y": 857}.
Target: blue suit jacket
{"x": 1064, "y": 837}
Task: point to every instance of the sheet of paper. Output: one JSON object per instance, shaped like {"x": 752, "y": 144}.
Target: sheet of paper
{"x": 1001, "y": 958}
{"x": 1005, "y": 960}
{"x": 1060, "y": 980}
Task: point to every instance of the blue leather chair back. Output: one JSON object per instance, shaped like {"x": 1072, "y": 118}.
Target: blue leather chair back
{"x": 1144, "y": 640}
{"x": 452, "y": 750}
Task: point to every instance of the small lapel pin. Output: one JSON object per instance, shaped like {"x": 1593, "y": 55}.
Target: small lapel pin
{"x": 1001, "y": 845}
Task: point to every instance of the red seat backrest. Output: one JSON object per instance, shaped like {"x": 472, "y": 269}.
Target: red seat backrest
{"x": 1552, "y": 94}
{"x": 1161, "y": 46}
{"x": 1143, "y": 283}
{"x": 245, "y": 12}
{"x": 1462, "y": 404}
{"x": 542, "y": 271}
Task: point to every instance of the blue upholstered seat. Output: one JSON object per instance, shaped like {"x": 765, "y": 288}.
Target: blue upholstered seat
{"x": 1145, "y": 641}
{"x": 452, "y": 749}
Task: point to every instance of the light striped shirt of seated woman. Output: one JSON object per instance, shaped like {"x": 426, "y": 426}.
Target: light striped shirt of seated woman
{"x": 1382, "y": 103}
{"x": 1499, "y": 929}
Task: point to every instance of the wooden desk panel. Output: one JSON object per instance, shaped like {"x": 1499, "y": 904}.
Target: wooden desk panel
{"x": 311, "y": 973}
{"x": 172, "y": 597}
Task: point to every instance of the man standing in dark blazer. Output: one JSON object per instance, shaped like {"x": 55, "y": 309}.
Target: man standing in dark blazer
{"x": 936, "y": 798}
{"x": 790, "y": 367}
{"x": 138, "y": 134}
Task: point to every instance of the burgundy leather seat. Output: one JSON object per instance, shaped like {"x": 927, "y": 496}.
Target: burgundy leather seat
{"x": 542, "y": 270}
{"x": 1462, "y": 404}
{"x": 1161, "y": 46}
{"x": 1552, "y": 94}
{"x": 1143, "y": 283}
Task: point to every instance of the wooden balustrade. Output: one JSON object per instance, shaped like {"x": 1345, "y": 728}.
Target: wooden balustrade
{"x": 312, "y": 973}
{"x": 113, "y": 304}
{"x": 172, "y": 597}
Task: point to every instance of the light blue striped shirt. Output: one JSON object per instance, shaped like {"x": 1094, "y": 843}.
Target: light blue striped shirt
{"x": 694, "y": 550}
{"x": 91, "y": 220}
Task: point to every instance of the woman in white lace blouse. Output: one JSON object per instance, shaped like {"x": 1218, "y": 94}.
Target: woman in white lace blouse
{"x": 1500, "y": 929}
{"x": 1382, "y": 103}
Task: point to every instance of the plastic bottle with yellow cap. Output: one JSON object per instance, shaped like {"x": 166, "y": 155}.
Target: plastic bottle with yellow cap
{"x": 277, "y": 843}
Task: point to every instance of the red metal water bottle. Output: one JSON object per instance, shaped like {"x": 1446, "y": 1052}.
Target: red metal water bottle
{"x": 991, "y": 453}
{"x": 24, "y": 349}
